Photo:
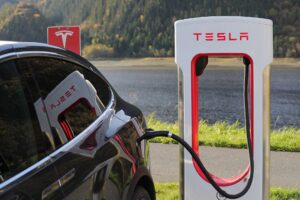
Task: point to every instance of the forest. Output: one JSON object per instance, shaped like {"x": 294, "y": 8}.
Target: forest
{"x": 140, "y": 28}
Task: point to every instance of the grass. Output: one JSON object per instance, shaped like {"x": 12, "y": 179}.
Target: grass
{"x": 170, "y": 191}
{"x": 222, "y": 134}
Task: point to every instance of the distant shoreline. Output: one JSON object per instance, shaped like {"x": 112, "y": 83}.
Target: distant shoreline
{"x": 170, "y": 62}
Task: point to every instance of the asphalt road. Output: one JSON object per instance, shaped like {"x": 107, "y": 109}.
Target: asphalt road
{"x": 154, "y": 89}
{"x": 224, "y": 162}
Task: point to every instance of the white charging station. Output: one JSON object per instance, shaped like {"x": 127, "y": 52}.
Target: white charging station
{"x": 220, "y": 37}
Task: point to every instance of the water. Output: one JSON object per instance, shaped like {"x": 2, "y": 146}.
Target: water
{"x": 154, "y": 89}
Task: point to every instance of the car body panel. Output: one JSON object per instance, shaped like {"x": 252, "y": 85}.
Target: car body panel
{"x": 102, "y": 161}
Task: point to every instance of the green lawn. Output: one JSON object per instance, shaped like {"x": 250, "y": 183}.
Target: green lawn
{"x": 169, "y": 191}
{"x": 222, "y": 134}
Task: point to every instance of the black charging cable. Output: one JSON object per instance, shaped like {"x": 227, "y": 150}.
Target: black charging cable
{"x": 152, "y": 134}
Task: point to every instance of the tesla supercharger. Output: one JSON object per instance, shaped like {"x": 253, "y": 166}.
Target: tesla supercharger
{"x": 250, "y": 38}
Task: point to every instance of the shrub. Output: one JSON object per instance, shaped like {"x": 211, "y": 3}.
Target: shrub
{"x": 97, "y": 51}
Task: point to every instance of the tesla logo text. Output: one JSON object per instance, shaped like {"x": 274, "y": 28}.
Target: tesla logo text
{"x": 64, "y": 34}
{"x": 221, "y": 36}
{"x": 63, "y": 97}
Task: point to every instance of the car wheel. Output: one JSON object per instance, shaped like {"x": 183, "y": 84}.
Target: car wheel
{"x": 141, "y": 193}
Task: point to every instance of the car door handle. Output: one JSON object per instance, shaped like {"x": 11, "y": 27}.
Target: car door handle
{"x": 50, "y": 190}
{"x": 67, "y": 177}
{"x": 57, "y": 184}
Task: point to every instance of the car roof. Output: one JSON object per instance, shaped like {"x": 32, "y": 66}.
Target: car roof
{"x": 7, "y": 47}
{"x": 6, "y": 42}
{"x": 11, "y": 46}
{"x": 14, "y": 47}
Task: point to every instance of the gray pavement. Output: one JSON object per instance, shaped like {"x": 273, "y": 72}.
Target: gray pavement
{"x": 224, "y": 162}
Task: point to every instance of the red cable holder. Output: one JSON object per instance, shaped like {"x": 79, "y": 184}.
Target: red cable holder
{"x": 195, "y": 117}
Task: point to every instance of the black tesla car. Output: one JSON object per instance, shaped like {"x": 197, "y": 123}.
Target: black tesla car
{"x": 64, "y": 131}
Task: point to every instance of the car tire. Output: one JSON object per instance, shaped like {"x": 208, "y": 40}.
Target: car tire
{"x": 140, "y": 193}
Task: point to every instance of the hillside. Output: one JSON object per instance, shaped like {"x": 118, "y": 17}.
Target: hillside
{"x": 145, "y": 27}
{"x": 3, "y": 2}
{"x": 24, "y": 23}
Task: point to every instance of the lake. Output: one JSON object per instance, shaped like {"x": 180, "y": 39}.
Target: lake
{"x": 154, "y": 89}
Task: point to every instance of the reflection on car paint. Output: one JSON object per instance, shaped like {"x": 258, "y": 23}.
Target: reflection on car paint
{"x": 73, "y": 90}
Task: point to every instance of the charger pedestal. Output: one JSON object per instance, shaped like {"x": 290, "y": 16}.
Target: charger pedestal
{"x": 224, "y": 37}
